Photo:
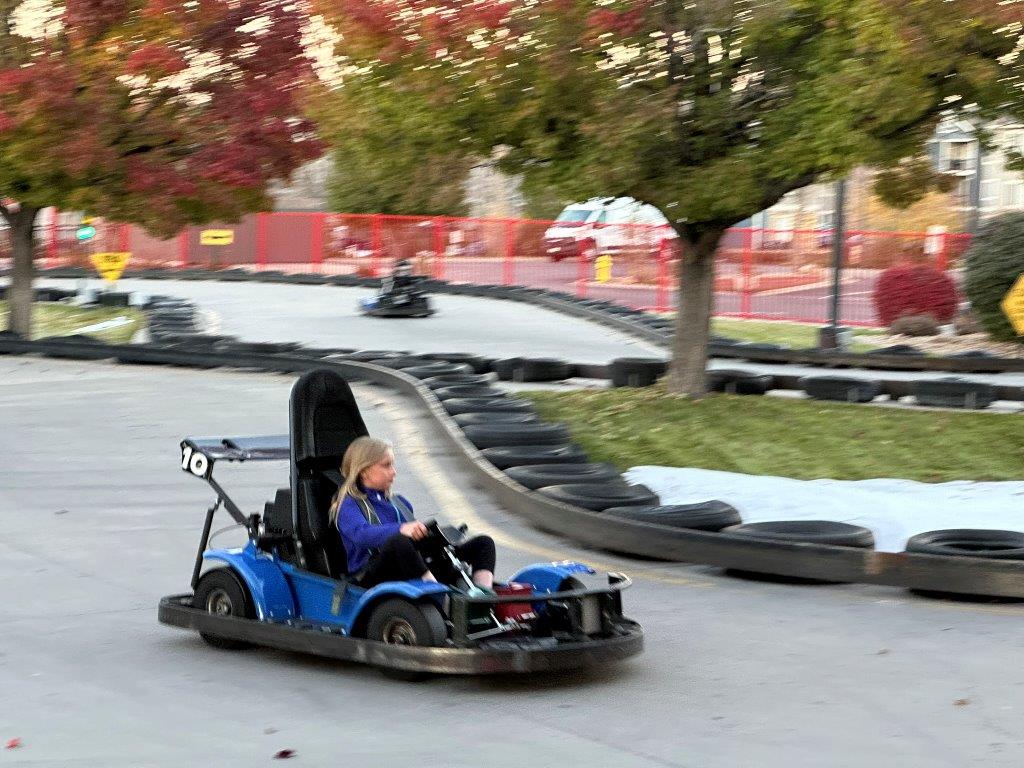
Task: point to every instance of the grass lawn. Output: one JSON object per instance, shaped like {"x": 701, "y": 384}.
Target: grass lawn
{"x": 791, "y": 438}
{"x": 796, "y": 335}
{"x": 51, "y": 319}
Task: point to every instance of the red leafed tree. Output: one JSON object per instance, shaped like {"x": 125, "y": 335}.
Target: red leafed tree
{"x": 160, "y": 112}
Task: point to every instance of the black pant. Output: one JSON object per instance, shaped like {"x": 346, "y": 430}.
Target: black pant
{"x": 399, "y": 560}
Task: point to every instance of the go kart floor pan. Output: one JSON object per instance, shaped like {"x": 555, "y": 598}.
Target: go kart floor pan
{"x": 519, "y": 655}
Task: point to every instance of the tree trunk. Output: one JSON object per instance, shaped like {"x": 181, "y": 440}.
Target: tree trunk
{"x": 20, "y": 293}
{"x": 686, "y": 375}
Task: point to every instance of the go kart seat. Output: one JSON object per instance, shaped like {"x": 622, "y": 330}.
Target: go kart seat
{"x": 324, "y": 421}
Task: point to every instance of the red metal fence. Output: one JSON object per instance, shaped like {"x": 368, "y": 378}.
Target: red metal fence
{"x": 760, "y": 274}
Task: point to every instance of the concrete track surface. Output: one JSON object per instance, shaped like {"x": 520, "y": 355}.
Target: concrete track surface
{"x": 328, "y": 316}
{"x": 97, "y": 522}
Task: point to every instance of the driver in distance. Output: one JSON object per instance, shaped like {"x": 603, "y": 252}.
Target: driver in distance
{"x": 377, "y": 528}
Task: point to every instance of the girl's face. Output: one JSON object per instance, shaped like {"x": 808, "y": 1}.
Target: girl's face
{"x": 381, "y": 475}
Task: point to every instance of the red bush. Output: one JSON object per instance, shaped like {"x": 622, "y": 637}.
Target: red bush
{"x": 914, "y": 289}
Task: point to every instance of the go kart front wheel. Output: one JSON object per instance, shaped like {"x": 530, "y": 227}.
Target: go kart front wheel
{"x": 221, "y": 593}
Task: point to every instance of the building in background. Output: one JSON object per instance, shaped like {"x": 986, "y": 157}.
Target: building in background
{"x": 306, "y": 190}
{"x": 492, "y": 194}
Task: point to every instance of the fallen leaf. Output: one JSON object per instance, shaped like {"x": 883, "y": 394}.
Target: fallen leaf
{"x": 961, "y": 702}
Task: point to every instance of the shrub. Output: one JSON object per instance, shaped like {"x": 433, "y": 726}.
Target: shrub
{"x": 914, "y": 289}
{"x": 915, "y": 325}
{"x": 993, "y": 263}
{"x": 966, "y": 322}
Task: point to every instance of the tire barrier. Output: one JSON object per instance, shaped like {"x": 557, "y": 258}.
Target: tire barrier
{"x": 737, "y": 382}
{"x": 495, "y": 417}
{"x": 113, "y": 299}
{"x": 507, "y": 456}
{"x": 978, "y": 360}
{"x": 534, "y": 476}
{"x": 467, "y": 390}
{"x": 969, "y": 542}
{"x": 953, "y": 392}
{"x": 636, "y": 371}
{"x": 433, "y": 370}
{"x": 458, "y": 380}
{"x": 808, "y": 532}
{"x": 399, "y": 362}
{"x": 258, "y": 348}
{"x": 925, "y": 572}
{"x": 482, "y": 404}
{"x": 476, "y": 362}
{"x": 498, "y": 434}
{"x": 703, "y": 516}
{"x": 842, "y": 388}
{"x": 601, "y": 496}
{"x": 532, "y": 369}
{"x": 371, "y": 355}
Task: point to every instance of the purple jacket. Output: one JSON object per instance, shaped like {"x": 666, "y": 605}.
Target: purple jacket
{"x": 360, "y": 536}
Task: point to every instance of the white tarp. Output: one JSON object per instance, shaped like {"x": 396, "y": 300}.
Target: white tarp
{"x": 893, "y": 510}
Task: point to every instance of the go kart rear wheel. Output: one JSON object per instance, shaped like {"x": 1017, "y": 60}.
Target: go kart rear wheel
{"x": 220, "y": 592}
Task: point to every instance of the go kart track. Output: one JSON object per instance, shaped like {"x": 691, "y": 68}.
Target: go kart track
{"x": 99, "y": 522}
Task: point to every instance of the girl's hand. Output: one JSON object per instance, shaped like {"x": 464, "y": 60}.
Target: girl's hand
{"x": 414, "y": 530}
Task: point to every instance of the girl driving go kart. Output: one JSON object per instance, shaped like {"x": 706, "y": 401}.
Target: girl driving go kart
{"x": 378, "y": 529}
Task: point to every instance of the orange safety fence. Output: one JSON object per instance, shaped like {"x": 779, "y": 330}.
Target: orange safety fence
{"x": 760, "y": 273}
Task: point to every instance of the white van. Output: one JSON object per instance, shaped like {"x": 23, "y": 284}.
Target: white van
{"x": 606, "y": 225}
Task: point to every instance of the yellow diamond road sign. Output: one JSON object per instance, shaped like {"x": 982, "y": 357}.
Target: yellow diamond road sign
{"x": 217, "y": 237}
{"x": 1013, "y": 305}
{"x": 110, "y": 265}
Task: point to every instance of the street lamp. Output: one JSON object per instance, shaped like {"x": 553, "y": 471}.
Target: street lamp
{"x": 831, "y": 336}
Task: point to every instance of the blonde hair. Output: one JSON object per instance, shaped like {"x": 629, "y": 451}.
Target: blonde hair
{"x": 362, "y": 453}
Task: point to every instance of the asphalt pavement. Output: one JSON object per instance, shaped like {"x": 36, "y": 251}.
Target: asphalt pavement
{"x": 97, "y": 521}
{"x": 328, "y": 316}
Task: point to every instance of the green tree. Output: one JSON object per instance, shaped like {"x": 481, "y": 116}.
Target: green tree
{"x": 390, "y": 153}
{"x": 710, "y": 110}
{"x": 159, "y": 112}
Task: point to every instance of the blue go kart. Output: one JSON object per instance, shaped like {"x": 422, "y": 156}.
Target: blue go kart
{"x": 286, "y": 588}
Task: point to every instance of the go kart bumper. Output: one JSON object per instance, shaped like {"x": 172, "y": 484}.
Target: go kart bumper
{"x": 497, "y": 656}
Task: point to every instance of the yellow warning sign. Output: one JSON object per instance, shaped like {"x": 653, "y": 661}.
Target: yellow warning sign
{"x": 217, "y": 237}
{"x": 603, "y": 268}
{"x": 110, "y": 265}
{"x": 1013, "y": 305}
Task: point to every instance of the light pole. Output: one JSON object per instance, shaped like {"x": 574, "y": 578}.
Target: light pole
{"x": 829, "y": 337}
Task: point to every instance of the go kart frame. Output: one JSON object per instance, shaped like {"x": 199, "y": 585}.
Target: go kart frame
{"x": 285, "y": 588}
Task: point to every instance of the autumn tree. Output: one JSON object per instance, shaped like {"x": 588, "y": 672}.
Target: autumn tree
{"x": 158, "y": 112}
{"x": 386, "y": 152}
{"x": 711, "y": 110}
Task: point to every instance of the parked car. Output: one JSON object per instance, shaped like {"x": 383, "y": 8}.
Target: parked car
{"x": 606, "y": 225}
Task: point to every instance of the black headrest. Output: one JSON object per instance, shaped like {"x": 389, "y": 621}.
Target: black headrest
{"x": 324, "y": 419}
